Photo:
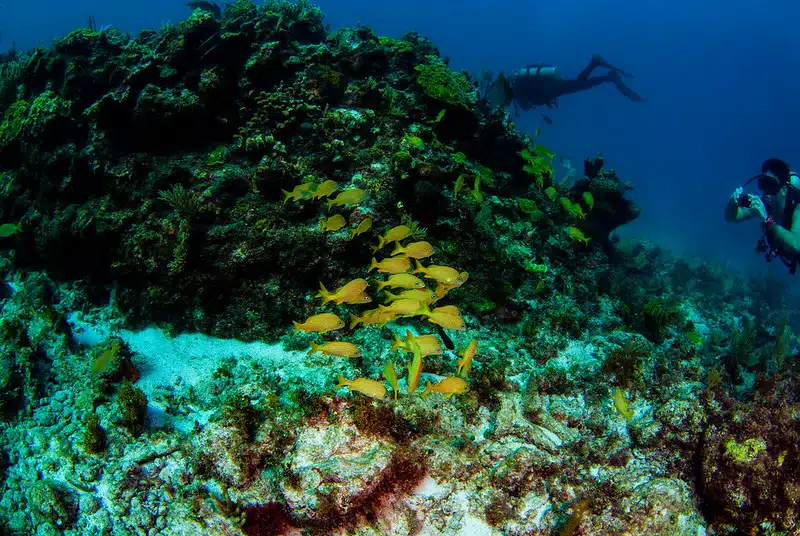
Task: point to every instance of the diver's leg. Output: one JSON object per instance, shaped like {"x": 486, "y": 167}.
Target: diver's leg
{"x": 582, "y": 84}
{"x": 577, "y": 85}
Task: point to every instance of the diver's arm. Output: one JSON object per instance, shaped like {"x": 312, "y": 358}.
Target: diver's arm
{"x": 787, "y": 240}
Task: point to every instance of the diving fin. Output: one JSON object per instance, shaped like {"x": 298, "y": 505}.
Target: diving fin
{"x": 625, "y": 90}
{"x": 601, "y": 61}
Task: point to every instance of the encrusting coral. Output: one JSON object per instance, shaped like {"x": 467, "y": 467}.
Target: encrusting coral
{"x": 265, "y": 279}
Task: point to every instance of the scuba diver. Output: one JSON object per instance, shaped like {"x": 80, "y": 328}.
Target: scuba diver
{"x": 776, "y": 208}
{"x": 541, "y": 85}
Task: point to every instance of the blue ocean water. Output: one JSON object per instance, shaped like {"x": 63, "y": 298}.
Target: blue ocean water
{"x": 719, "y": 79}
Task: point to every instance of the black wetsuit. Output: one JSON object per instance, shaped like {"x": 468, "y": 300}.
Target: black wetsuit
{"x": 541, "y": 85}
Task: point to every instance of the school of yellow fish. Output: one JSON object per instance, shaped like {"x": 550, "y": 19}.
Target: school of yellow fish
{"x": 412, "y": 298}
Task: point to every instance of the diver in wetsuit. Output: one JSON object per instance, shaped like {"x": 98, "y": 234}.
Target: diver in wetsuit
{"x": 541, "y": 85}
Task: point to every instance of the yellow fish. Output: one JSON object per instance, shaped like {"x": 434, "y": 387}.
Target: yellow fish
{"x": 440, "y": 274}
{"x": 415, "y": 250}
{"x": 347, "y": 198}
{"x": 459, "y": 185}
{"x": 622, "y": 406}
{"x": 324, "y": 190}
{"x": 391, "y": 376}
{"x": 428, "y": 344}
{"x": 301, "y": 191}
{"x": 371, "y": 388}
{"x": 423, "y": 295}
{"x": 476, "y": 193}
{"x": 588, "y": 198}
{"x": 334, "y": 223}
{"x": 392, "y": 265}
{"x": 577, "y": 235}
{"x": 102, "y": 363}
{"x": 465, "y": 363}
{"x": 404, "y": 280}
{"x": 441, "y": 290}
{"x": 447, "y": 310}
{"x": 448, "y": 387}
{"x": 551, "y": 193}
{"x": 352, "y": 292}
{"x": 446, "y": 319}
{"x": 395, "y": 234}
{"x": 9, "y": 229}
{"x": 321, "y": 323}
{"x": 336, "y": 349}
{"x": 404, "y": 307}
{"x": 414, "y": 368}
{"x": 363, "y": 226}
{"x": 372, "y": 317}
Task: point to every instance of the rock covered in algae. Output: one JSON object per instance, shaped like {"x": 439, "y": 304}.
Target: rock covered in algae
{"x": 335, "y": 472}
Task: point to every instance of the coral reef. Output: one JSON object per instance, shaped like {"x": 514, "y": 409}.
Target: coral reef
{"x": 178, "y": 204}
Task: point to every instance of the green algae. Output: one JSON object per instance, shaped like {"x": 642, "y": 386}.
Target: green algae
{"x": 746, "y": 451}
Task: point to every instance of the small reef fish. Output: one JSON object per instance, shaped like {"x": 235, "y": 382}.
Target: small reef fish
{"x": 372, "y": 317}
{"x": 458, "y": 186}
{"x": 391, "y": 376}
{"x": 414, "y": 368}
{"x": 334, "y": 223}
{"x": 404, "y": 307}
{"x": 9, "y": 229}
{"x": 588, "y": 198}
{"x": 465, "y": 363}
{"x": 551, "y": 193}
{"x": 371, "y": 388}
{"x": 448, "y": 310}
{"x": 301, "y": 191}
{"x": 395, "y": 234}
{"x": 440, "y": 274}
{"x": 102, "y": 363}
{"x": 347, "y": 198}
{"x": 577, "y": 235}
{"x": 445, "y": 318}
{"x": 352, "y": 292}
{"x": 622, "y": 406}
{"x": 404, "y": 280}
{"x": 441, "y": 290}
{"x": 392, "y": 265}
{"x": 476, "y": 193}
{"x": 423, "y": 295}
{"x": 335, "y": 349}
{"x": 428, "y": 344}
{"x": 324, "y": 189}
{"x": 415, "y": 250}
{"x": 363, "y": 226}
{"x": 447, "y": 387}
{"x": 321, "y": 323}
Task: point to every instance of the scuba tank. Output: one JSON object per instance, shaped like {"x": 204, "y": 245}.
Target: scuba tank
{"x": 539, "y": 69}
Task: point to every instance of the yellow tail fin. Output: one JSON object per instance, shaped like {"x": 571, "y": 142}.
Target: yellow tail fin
{"x": 354, "y": 320}
{"x": 372, "y": 265}
{"x": 343, "y": 382}
{"x": 396, "y": 343}
{"x": 428, "y": 389}
{"x": 314, "y": 348}
{"x": 324, "y": 294}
